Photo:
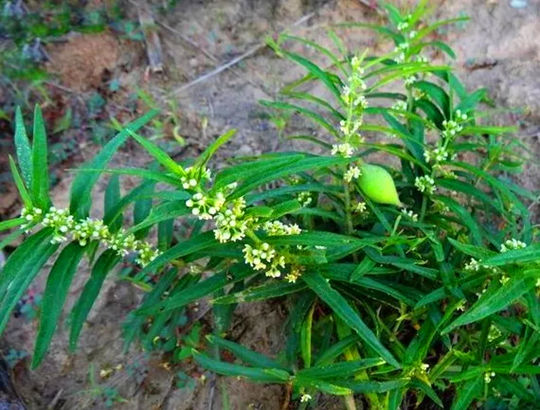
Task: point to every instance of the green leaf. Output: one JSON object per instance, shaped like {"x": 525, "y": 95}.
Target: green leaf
{"x": 184, "y": 248}
{"x": 426, "y": 389}
{"x": 212, "y": 148}
{"x": 327, "y": 79}
{"x": 23, "y": 148}
{"x": 305, "y": 337}
{"x": 252, "y": 373}
{"x": 325, "y": 387}
{"x": 81, "y": 190}
{"x": 254, "y": 169}
{"x": 269, "y": 290}
{"x": 162, "y": 212}
{"x": 25, "y": 196}
{"x": 340, "y": 370}
{"x": 20, "y": 270}
{"x": 464, "y": 216}
{"x": 102, "y": 267}
{"x": 492, "y": 302}
{"x": 319, "y": 119}
{"x": 40, "y": 177}
{"x": 11, "y": 223}
{"x": 246, "y": 355}
{"x": 198, "y": 290}
{"x": 478, "y": 252}
{"x": 112, "y": 198}
{"x": 341, "y": 307}
{"x": 436, "y": 93}
{"x": 528, "y": 254}
{"x": 336, "y": 350}
{"x": 54, "y": 297}
{"x": 141, "y": 210}
{"x": 158, "y": 154}
{"x": 467, "y": 393}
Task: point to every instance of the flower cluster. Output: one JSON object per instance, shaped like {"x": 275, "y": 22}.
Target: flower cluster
{"x": 436, "y": 155}
{"x": 205, "y": 207}
{"x": 346, "y": 150}
{"x": 84, "y": 231}
{"x": 305, "y": 398}
{"x": 399, "y": 105}
{"x": 425, "y": 184}
{"x": 403, "y": 49}
{"x": 232, "y": 223}
{"x": 294, "y": 274}
{"x": 511, "y": 244}
{"x": 488, "y": 376}
{"x": 410, "y": 80}
{"x": 473, "y": 265}
{"x": 352, "y": 173}
{"x": 360, "y": 208}
{"x": 304, "y": 198}
{"x": 410, "y": 214}
{"x": 277, "y": 228}
{"x": 451, "y": 128}
{"x": 264, "y": 258}
{"x": 194, "y": 176}
{"x": 352, "y": 96}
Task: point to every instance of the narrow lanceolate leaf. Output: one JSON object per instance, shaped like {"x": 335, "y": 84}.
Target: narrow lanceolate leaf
{"x": 246, "y": 355}
{"x": 21, "y": 268}
{"x": 340, "y": 370}
{"x": 196, "y": 291}
{"x": 80, "y": 311}
{"x": 159, "y": 155}
{"x": 11, "y": 223}
{"x": 54, "y": 297}
{"x": 305, "y": 337}
{"x": 112, "y": 197}
{"x": 266, "y": 291}
{"x": 341, "y": 307}
{"x": 23, "y": 192}
{"x": 23, "y": 148}
{"x": 40, "y": 176}
{"x": 212, "y": 148}
{"x": 530, "y": 253}
{"x": 81, "y": 189}
{"x": 492, "y": 302}
{"x": 467, "y": 393}
{"x": 253, "y": 373}
{"x": 191, "y": 245}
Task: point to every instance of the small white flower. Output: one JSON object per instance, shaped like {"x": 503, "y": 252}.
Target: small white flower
{"x": 511, "y": 244}
{"x": 488, "y": 376}
{"x": 410, "y": 214}
{"x": 352, "y": 173}
{"x": 425, "y": 184}
{"x": 472, "y": 266}
{"x": 399, "y": 105}
{"x": 345, "y": 150}
{"x": 304, "y": 198}
{"x": 277, "y": 228}
{"x": 305, "y": 398}
{"x": 360, "y": 208}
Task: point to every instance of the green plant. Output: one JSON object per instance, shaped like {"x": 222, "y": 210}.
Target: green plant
{"x": 436, "y": 301}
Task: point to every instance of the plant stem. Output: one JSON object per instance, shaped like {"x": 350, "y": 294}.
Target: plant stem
{"x": 349, "y": 402}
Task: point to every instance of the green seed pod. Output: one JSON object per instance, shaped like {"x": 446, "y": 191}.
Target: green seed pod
{"x": 378, "y": 185}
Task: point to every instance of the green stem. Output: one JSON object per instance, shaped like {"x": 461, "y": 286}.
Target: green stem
{"x": 348, "y": 217}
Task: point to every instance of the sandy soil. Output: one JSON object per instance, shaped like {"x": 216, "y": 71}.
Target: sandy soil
{"x": 498, "y": 49}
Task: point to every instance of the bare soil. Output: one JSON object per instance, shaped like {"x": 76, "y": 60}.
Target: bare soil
{"x": 498, "y": 49}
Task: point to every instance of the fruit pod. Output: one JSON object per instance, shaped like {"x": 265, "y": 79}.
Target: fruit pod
{"x": 377, "y": 184}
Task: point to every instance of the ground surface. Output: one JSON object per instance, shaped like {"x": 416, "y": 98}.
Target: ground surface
{"x": 498, "y": 49}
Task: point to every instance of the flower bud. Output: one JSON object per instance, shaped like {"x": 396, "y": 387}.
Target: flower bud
{"x": 377, "y": 184}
